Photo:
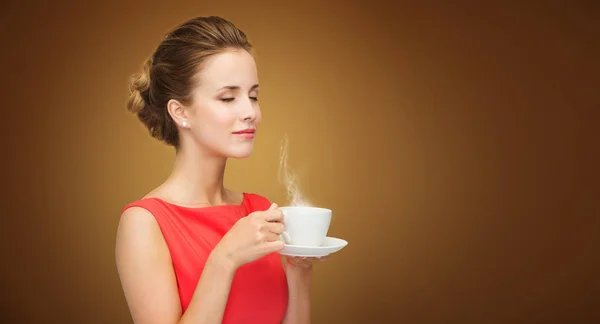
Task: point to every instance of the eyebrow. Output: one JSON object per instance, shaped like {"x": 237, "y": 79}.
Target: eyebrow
{"x": 237, "y": 87}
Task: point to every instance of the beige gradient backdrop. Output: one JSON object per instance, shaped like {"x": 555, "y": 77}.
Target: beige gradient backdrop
{"x": 456, "y": 144}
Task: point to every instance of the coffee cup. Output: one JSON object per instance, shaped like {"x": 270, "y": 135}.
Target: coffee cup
{"x": 305, "y": 226}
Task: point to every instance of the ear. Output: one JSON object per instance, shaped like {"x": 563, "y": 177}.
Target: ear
{"x": 178, "y": 113}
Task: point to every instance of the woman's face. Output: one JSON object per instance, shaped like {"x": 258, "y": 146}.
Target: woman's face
{"x": 224, "y": 115}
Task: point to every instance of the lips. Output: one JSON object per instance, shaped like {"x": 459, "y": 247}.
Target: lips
{"x": 246, "y": 131}
{"x": 246, "y": 134}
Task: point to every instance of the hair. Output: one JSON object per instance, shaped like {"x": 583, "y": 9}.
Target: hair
{"x": 169, "y": 72}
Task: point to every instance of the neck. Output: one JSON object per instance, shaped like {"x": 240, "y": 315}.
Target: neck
{"x": 197, "y": 178}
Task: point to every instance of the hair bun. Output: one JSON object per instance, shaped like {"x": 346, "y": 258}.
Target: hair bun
{"x": 139, "y": 84}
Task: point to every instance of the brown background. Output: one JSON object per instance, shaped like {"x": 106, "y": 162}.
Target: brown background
{"x": 457, "y": 145}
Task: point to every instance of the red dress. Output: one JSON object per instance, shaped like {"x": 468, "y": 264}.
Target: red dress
{"x": 259, "y": 292}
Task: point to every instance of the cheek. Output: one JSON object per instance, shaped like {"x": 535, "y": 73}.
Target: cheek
{"x": 258, "y": 117}
{"x": 213, "y": 122}
{"x": 225, "y": 118}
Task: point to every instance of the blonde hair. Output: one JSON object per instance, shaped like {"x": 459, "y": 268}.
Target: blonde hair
{"x": 169, "y": 72}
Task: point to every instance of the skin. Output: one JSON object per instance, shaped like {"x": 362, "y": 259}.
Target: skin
{"x": 224, "y": 101}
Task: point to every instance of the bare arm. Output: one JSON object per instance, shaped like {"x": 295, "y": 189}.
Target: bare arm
{"x": 299, "y": 282}
{"x": 148, "y": 280}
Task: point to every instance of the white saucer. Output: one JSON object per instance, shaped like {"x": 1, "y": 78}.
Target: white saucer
{"x": 330, "y": 245}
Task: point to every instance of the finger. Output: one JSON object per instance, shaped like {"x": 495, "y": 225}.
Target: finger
{"x": 276, "y": 228}
{"x": 273, "y": 215}
{"x": 270, "y": 237}
{"x": 291, "y": 260}
{"x": 274, "y": 246}
{"x": 307, "y": 261}
{"x": 298, "y": 259}
{"x": 294, "y": 260}
{"x": 273, "y": 206}
{"x": 302, "y": 262}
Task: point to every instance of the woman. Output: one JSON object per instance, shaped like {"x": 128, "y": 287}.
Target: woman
{"x": 192, "y": 251}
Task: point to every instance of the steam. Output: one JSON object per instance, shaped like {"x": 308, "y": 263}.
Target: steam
{"x": 288, "y": 178}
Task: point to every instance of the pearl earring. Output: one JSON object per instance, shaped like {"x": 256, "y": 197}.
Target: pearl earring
{"x": 184, "y": 124}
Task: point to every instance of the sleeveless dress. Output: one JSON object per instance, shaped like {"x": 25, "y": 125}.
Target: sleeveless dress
{"x": 259, "y": 292}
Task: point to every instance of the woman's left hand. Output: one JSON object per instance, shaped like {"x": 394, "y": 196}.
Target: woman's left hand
{"x": 302, "y": 263}
{"x": 299, "y": 274}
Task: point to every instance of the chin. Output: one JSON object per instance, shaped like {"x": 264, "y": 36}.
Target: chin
{"x": 240, "y": 154}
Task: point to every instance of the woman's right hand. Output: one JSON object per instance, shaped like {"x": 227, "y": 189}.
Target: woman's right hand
{"x": 252, "y": 237}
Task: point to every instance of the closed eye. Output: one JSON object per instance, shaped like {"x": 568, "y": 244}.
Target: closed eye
{"x": 232, "y": 99}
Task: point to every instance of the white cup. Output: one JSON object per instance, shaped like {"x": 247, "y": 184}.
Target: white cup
{"x": 305, "y": 226}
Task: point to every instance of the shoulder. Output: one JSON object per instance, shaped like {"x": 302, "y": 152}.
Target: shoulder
{"x": 147, "y": 209}
{"x": 136, "y": 225}
{"x": 257, "y": 201}
{"x": 145, "y": 267}
{"x": 138, "y": 213}
{"x": 139, "y": 227}
{"x": 140, "y": 243}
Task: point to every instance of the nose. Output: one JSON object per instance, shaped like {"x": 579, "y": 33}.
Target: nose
{"x": 249, "y": 111}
